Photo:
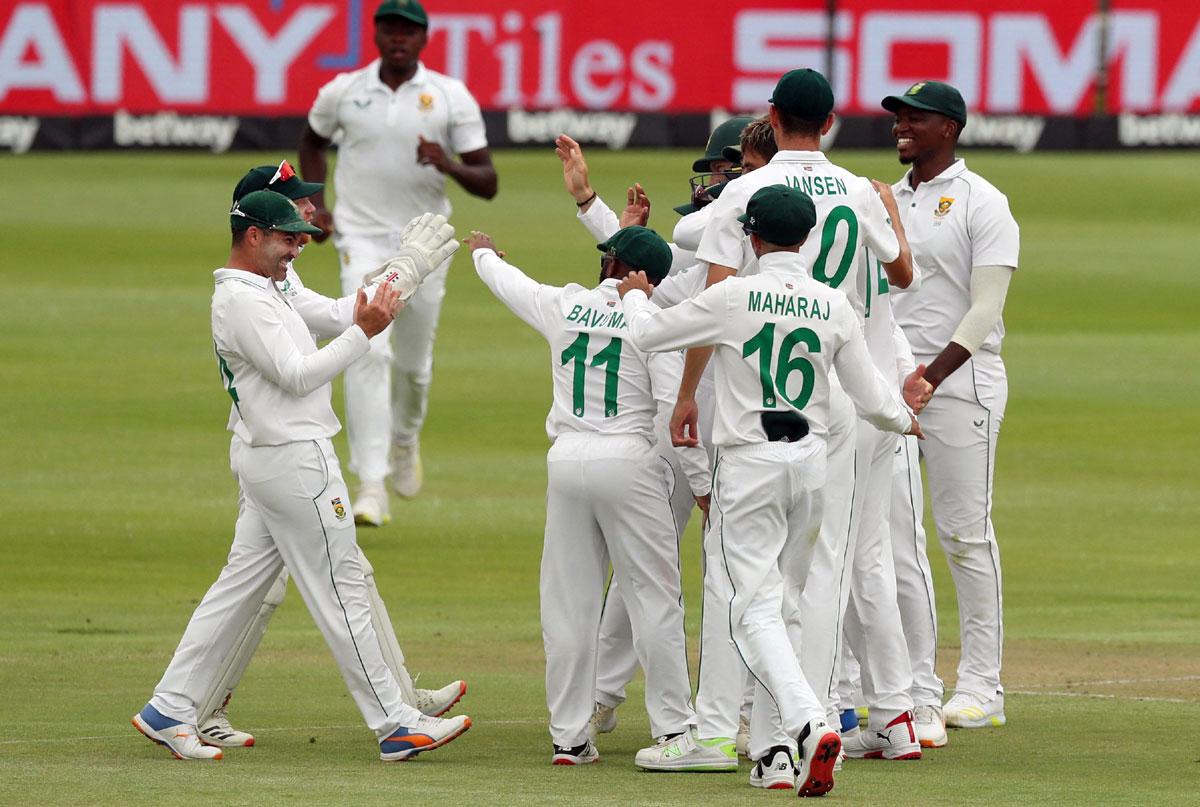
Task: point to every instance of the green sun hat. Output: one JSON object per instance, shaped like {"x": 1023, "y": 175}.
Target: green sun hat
{"x": 640, "y": 248}
{"x": 281, "y": 179}
{"x": 803, "y": 94}
{"x": 932, "y": 96}
{"x": 410, "y": 10}
{"x": 269, "y": 210}
{"x": 780, "y": 215}
{"x": 728, "y": 133}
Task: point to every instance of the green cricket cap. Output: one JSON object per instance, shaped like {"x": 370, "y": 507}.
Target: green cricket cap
{"x": 270, "y": 211}
{"x": 803, "y": 94}
{"x": 640, "y": 248}
{"x": 932, "y": 96}
{"x": 281, "y": 179}
{"x": 713, "y": 192}
{"x": 780, "y": 215}
{"x": 410, "y": 10}
{"x": 728, "y": 133}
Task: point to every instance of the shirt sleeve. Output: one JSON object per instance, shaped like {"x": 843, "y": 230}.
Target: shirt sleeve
{"x": 873, "y": 397}
{"x": 260, "y": 337}
{"x": 674, "y": 289}
{"x": 905, "y": 362}
{"x": 877, "y": 232}
{"x": 722, "y": 240}
{"x": 666, "y": 369}
{"x": 325, "y": 317}
{"x": 599, "y": 220}
{"x": 995, "y": 237}
{"x": 523, "y": 295}
{"x": 693, "y": 323}
{"x": 323, "y": 117}
{"x": 467, "y": 132}
{"x": 690, "y": 229}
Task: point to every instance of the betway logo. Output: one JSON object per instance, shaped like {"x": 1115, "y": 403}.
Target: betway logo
{"x": 1158, "y": 130}
{"x": 170, "y": 129}
{"x": 18, "y": 133}
{"x": 610, "y": 128}
{"x": 1016, "y": 131}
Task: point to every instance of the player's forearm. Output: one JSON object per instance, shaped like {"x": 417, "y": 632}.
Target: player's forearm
{"x": 900, "y": 270}
{"x": 314, "y": 165}
{"x": 717, "y": 272}
{"x": 694, "y": 462}
{"x": 477, "y": 180}
{"x": 874, "y": 398}
{"x": 989, "y": 287}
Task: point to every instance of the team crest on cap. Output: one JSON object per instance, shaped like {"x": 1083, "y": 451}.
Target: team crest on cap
{"x": 943, "y": 206}
{"x": 426, "y": 101}
{"x": 339, "y": 509}
{"x": 916, "y": 88}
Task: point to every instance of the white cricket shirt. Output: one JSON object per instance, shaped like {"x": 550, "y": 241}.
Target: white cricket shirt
{"x": 849, "y": 214}
{"x": 602, "y": 383}
{"x": 326, "y": 317}
{"x": 380, "y": 186}
{"x": 954, "y": 222}
{"x": 777, "y": 334}
{"x": 269, "y": 364}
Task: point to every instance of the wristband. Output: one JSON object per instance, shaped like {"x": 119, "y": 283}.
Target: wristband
{"x": 585, "y": 201}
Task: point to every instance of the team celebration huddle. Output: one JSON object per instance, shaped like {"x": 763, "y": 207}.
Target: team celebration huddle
{"x": 776, "y": 370}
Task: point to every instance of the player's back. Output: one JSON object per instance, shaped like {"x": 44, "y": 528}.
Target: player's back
{"x": 601, "y": 381}
{"x": 782, "y": 332}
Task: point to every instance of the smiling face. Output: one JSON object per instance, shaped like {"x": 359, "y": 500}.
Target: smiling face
{"x": 400, "y": 42}
{"x": 275, "y": 251}
{"x": 922, "y": 135}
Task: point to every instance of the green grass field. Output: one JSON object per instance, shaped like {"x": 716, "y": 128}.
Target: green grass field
{"x": 118, "y": 505}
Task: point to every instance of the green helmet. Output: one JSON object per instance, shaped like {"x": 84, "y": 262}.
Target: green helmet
{"x": 728, "y": 133}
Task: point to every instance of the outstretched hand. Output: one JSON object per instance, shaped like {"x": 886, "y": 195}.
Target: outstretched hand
{"x": 575, "y": 170}
{"x": 477, "y": 240}
{"x": 637, "y": 206}
{"x": 917, "y": 390}
{"x": 377, "y": 313}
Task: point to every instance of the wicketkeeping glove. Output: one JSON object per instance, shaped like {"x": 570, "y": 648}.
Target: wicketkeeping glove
{"x": 425, "y": 244}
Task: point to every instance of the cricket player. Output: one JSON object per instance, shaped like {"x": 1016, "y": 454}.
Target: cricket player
{"x": 294, "y": 511}
{"x": 397, "y": 124}
{"x": 326, "y": 318}
{"x": 777, "y": 335}
{"x": 966, "y": 239}
{"x": 607, "y": 493}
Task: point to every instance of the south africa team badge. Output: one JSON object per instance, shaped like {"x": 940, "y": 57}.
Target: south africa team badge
{"x": 943, "y": 206}
{"x": 339, "y": 509}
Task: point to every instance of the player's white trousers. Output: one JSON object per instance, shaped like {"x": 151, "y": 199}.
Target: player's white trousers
{"x": 962, "y": 425}
{"x": 387, "y": 390}
{"x": 606, "y": 499}
{"x": 872, "y": 625}
{"x": 296, "y": 513}
{"x": 765, "y": 523}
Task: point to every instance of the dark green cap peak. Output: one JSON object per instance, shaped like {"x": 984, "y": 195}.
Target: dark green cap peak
{"x": 410, "y": 10}
{"x": 281, "y": 179}
{"x": 640, "y": 248}
{"x": 780, "y": 215}
{"x": 803, "y": 94}
{"x": 932, "y": 96}
{"x": 728, "y": 133}
{"x": 269, "y": 210}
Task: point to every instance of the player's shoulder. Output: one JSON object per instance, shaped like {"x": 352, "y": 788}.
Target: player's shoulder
{"x": 350, "y": 80}
{"x": 981, "y": 189}
{"x": 447, "y": 84}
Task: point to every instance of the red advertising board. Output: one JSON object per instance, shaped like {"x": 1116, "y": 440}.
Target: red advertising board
{"x": 269, "y": 57}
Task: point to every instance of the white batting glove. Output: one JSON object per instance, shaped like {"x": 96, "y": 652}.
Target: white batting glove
{"x": 425, "y": 244}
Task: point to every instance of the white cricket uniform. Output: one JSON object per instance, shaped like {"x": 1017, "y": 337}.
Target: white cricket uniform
{"x": 295, "y": 506}
{"x": 850, "y": 215}
{"x": 380, "y": 188}
{"x": 606, "y": 499}
{"x": 777, "y": 337}
{"x": 617, "y": 661}
{"x": 954, "y": 222}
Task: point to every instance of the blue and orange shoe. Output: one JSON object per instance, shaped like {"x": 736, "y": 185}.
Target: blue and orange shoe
{"x": 427, "y": 734}
{"x": 181, "y": 739}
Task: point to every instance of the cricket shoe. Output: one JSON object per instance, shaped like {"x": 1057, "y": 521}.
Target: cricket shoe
{"x": 371, "y": 506}
{"x": 427, "y": 734}
{"x": 743, "y": 736}
{"x": 218, "y": 731}
{"x": 436, "y": 702}
{"x": 407, "y": 473}
{"x": 602, "y": 721}
{"x": 930, "y": 725}
{"x": 176, "y": 736}
{"x": 819, "y": 747}
{"x": 687, "y": 752}
{"x": 579, "y": 755}
{"x": 969, "y": 710}
{"x": 898, "y": 740}
{"x": 775, "y": 771}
